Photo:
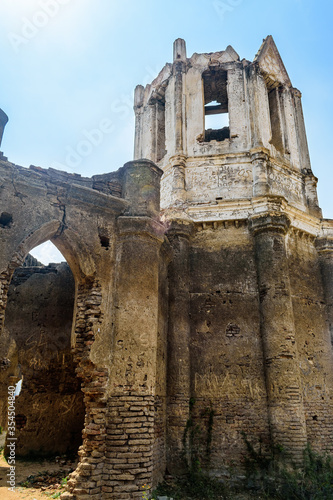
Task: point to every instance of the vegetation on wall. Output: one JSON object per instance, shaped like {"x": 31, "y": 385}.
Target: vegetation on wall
{"x": 269, "y": 474}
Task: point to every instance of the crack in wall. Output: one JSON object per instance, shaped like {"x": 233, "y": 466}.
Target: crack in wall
{"x": 63, "y": 224}
{"x": 17, "y": 193}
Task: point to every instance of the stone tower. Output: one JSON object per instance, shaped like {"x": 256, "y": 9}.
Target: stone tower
{"x": 261, "y": 150}
{"x": 252, "y": 266}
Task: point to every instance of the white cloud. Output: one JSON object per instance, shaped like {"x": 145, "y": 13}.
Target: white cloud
{"x": 46, "y": 253}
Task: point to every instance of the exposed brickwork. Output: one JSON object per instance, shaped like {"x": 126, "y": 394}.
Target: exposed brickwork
{"x": 130, "y": 442}
{"x": 319, "y": 424}
{"x": 5, "y": 278}
{"x": 87, "y": 479}
{"x": 229, "y": 418}
{"x": 235, "y": 337}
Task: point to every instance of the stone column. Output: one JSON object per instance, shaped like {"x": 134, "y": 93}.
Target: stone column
{"x": 178, "y": 191}
{"x": 310, "y": 182}
{"x": 178, "y": 372}
{"x": 138, "y": 109}
{"x": 285, "y": 402}
{"x": 179, "y": 65}
{"x": 258, "y": 107}
{"x": 135, "y": 449}
{"x": 325, "y": 251}
{"x": 134, "y": 408}
{"x": 259, "y": 159}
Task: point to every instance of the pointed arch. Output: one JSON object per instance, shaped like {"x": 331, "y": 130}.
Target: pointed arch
{"x": 68, "y": 243}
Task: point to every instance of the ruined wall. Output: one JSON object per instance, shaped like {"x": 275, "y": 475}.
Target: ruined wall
{"x": 251, "y": 294}
{"x": 253, "y": 352}
{"x": 108, "y": 229}
{"x": 39, "y": 316}
{"x": 214, "y": 317}
{"x": 313, "y": 339}
{"x": 227, "y": 373}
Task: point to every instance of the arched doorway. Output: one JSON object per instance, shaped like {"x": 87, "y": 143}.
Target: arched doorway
{"x": 39, "y": 315}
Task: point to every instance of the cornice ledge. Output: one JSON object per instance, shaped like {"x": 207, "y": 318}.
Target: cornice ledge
{"x": 129, "y": 226}
{"x": 178, "y": 223}
{"x": 276, "y": 222}
{"x": 260, "y": 153}
{"x": 324, "y": 242}
{"x": 324, "y": 245}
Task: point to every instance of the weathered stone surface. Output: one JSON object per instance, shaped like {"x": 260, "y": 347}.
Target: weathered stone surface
{"x": 50, "y": 406}
{"x": 247, "y": 303}
{"x": 215, "y": 315}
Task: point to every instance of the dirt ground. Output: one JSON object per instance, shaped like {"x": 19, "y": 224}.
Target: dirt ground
{"x": 42, "y": 478}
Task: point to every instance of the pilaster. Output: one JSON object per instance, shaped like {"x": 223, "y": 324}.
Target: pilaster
{"x": 310, "y": 182}
{"x": 283, "y": 383}
{"x": 136, "y": 411}
{"x": 300, "y": 130}
{"x": 178, "y": 190}
{"x": 179, "y": 67}
{"x": 324, "y": 247}
{"x": 178, "y": 376}
{"x": 258, "y": 107}
{"x": 259, "y": 158}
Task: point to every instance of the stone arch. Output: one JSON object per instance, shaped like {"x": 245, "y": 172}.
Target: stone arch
{"x": 111, "y": 240}
{"x": 68, "y": 243}
{"x": 86, "y": 321}
{"x": 37, "y": 335}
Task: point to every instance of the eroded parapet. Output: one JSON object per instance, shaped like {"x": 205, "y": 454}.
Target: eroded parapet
{"x": 141, "y": 188}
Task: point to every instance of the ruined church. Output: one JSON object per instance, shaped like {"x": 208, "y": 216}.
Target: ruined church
{"x": 198, "y": 289}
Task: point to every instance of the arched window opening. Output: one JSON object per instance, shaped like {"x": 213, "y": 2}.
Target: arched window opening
{"x": 160, "y": 129}
{"x": 275, "y": 113}
{"x": 47, "y": 253}
{"x": 49, "y": 407}
{"x": 216, "y": 106}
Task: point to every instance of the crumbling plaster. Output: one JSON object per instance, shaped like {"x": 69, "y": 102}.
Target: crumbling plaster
{"x": 221, "y": 302}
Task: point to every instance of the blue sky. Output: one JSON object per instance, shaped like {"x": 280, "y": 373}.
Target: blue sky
{"x": 69, "y": 65}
